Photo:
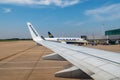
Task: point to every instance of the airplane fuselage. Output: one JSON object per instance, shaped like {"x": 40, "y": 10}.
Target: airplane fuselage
{"x": 70, "y": 39}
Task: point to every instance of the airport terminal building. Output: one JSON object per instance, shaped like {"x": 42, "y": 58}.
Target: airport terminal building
{"x": 113, "y": 36}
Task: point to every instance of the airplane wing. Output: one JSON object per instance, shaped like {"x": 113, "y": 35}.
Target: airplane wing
{"x": 87, "y": 63}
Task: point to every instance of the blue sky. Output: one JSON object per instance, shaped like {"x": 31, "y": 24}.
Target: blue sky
{"x": 61, "y": 17}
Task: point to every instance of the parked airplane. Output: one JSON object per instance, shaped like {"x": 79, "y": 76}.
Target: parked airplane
{"x": 88, "y": 63}
{"x": 68, "y": 40}
{"x": 50, "y": 35}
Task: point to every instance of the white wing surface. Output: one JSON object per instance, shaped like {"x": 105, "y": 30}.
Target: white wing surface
{"x": 88, "y": 63}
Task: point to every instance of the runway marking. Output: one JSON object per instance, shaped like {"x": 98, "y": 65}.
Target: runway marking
{"x": 22, "y": 68}
{"x": 29, "y": 62}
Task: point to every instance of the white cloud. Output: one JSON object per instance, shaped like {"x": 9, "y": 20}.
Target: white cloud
{"x": 6, "y": 10}
{"x": 111, "y": 12}
{"x": 60, "y": 3}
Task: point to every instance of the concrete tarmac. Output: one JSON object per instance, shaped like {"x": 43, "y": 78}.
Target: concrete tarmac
{"x": 113, "y": 48}
{"x": 22, "y": 60}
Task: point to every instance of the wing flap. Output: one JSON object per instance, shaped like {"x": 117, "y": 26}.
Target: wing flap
{"x": 53, "y": 56}
{"x": 72, "y": 72}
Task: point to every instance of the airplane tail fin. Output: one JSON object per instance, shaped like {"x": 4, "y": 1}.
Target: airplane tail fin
{"x": 50, "y": 35}
{"x": 34, "y": 33}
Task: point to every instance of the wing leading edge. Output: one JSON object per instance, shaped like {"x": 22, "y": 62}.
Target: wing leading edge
{"x": 97, "y": 64}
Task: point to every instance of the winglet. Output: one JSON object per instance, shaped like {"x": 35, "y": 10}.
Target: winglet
{"x": 34, "y": 33}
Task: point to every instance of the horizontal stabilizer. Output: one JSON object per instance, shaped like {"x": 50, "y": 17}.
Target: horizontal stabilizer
{"x": 72, "y": 72}
{"x": 53, "y": 56}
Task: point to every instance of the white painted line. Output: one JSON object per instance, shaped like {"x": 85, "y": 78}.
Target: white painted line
{"x": 30, "y": 62}
{"x": 19, "y": 68}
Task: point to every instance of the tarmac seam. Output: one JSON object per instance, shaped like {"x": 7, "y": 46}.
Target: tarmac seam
{"x": 37, "y": 61}
{"x": 16, "y": 53}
